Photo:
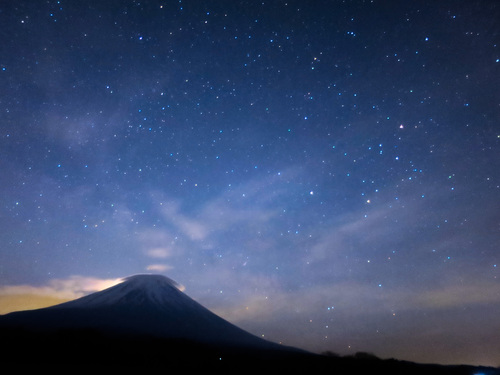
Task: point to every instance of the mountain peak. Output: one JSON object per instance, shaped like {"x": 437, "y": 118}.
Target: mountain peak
{"x": 144, "y": 304}
{"x": 145, "y": 315}
{"x": 151, "y": 281}
{"x": 135, "y": 290}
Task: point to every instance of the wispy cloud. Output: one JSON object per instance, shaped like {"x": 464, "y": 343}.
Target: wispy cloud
{"x": 453, "y": 296}
{"x": 159, "y": 252}
{"x": 159, "y": 267}
{"x": 350, "y": 300}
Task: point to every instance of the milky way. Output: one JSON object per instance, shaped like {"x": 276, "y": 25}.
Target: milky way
{"x": 321, "y": 173}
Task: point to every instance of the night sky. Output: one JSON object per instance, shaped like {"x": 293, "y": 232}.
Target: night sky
{"x": 325, "y": 174}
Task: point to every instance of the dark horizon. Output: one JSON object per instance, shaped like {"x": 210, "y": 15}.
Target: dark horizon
{"x": 329, "y": 166}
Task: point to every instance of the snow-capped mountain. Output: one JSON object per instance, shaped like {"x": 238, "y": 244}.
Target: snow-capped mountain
{"x": 147, "y": 321}
{"x": 149, "y": 305}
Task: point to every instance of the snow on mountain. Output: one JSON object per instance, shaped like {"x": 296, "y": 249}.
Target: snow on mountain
{"x": 142, "y": 304}
{"x": 147, "y": 321}
{"x": 137, "y": 290}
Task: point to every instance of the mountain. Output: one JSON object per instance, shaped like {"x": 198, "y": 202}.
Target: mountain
{"x": 148, "y": 321}
{"x": 146, "y": 318}
{"x": 149, "y": 305}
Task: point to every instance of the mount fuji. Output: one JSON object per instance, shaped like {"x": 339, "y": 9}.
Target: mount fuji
{"x": 151, "y": 305}
{"x": 132, "y": 322}
{"x": 146, "y": 320}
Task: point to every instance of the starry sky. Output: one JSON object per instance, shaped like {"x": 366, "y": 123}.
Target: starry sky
{"x": 323, "y": 174}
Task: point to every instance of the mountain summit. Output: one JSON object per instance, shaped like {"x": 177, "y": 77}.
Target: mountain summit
{"x": 142, "y": 289}
{"x": 144, "y": 319}
{"x": 146, "y": 305}
{"x": 147, "y": 320}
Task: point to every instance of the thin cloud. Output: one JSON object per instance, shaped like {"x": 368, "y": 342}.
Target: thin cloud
{"x": 159, "y": 252}
{"x": 159, "y": 267}
{"x": 194, "y": 229}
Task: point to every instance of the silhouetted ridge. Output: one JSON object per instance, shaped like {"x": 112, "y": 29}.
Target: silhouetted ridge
{"x": 148, "y": 320}
{"x": 146, "y": 305}
{"x": 134, "y": 290}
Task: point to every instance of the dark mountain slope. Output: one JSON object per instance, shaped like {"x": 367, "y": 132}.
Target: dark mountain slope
{"x": 149, "y": 305}
{"x": 147, "y": 321}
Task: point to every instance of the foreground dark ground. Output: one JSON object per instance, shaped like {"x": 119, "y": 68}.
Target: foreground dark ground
{"x": 91, "y": 348}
